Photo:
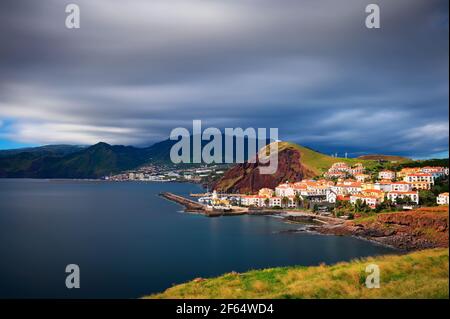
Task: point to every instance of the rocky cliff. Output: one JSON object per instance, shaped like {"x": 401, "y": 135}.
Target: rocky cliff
{"x": 410, "y": 230}
{"x": 246, "y": 178}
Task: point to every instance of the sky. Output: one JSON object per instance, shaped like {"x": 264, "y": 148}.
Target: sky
{"x": 135, "y": 70}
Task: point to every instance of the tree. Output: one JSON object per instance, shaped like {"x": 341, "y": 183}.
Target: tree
{"x": 297, "y": 200}
{"x": 285, "y": 201}
{"x": 427, "y": 198}
{"x": 360, "y": 206}
{"x": 267, "y": 201}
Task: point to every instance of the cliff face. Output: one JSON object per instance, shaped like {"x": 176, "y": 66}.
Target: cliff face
{"x": 245, "y": 177}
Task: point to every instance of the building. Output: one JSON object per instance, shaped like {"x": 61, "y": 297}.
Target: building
{"x": 436, "y": 171}
{"x": 383, "y": 185}
{"x": 367, "y": 185}
{"x": 347, "y": 187}
{"x": 253, "y": 200}
{"x": 420, "y": 180}
{"x": 421, "y": 185}
{"x": 357, "y": 169}
{"x": 267, "y": 192}
{"x": 340, "y": 167}
{"x": 411, "y": 195}
{"x": 285, "y": 190}
{"x": 386, "y": 174}
{"x": 442, "y": 199}
{"x": 331, "y": 196}
{"x": 374, "y": 193}
{"x": 407, "y": 170}
{"x": 275, "y": 201}
{"x": 335, "y": 175}
{"x": 361, "y": 177}
{"x": 401, "y": 186}
{"x": 370, "y": 201}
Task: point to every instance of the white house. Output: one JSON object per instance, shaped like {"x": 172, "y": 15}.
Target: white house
{"x": 253, "y": 200}
{"x": 436, "y": 171}
{"x": 394, "y": 195}
{"x": 331, "y": 196}
{"x": 361, "y": 177}
{"x": 383, "y": 186}
{"x": 386, "y": 174}
{"x": 401, "y": 186}
{"x": 371, "y": 201}
{"x": 284, "y": 190}
{"x": 442, "y": 199}
{"x": 419, "y": 177}
{"x": 275, "y": 201}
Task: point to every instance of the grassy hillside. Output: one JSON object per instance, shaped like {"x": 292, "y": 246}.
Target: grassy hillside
{"x": 318, "y": 162}
{"x": 423, "y": 274}
{"x": 389, "y": 158}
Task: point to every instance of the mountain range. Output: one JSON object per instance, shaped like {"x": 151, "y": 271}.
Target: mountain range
{"x": 72, "y": 161}
{"x": 65, "y": 161}
{"x": 101, "y": 159}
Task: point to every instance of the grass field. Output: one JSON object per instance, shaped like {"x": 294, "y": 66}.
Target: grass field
{"x": 423, "y": 274}
{"x": 318, "y": 162}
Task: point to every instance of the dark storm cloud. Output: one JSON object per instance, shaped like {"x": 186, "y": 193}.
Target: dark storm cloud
{"x": 136, "y": 70}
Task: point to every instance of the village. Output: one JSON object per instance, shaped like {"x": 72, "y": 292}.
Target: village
{"x": 345, "y": 186}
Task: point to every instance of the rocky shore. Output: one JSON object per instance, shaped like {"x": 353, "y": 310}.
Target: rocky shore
{"x": 413, "y": 230}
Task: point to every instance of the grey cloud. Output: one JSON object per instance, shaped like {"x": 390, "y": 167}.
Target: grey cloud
{"x": 310, "y": 68}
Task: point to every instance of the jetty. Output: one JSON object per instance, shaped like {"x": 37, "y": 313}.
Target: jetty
{"x": 189, "y": 205}
{"x": 289, "y": 215}
{"x": 196, "y": 207}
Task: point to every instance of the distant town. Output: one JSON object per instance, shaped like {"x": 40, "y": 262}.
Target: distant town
{"x": 170, "y": 173}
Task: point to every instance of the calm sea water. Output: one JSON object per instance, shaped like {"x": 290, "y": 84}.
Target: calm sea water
{"x": 129, "y": 242}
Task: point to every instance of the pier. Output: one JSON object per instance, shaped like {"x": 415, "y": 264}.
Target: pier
{"x": 196, "y": 207}
{"x": 289, "y": 215}
{"x": 189, "y": 205}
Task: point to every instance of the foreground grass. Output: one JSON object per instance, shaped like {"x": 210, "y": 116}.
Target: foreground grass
{"x": 423, "y": 274}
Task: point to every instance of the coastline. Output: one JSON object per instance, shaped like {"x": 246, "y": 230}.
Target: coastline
{"x": 403, "y": 231}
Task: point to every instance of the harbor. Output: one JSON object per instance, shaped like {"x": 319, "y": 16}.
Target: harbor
{"x": 208, "y": 210}
{"x": 229, "y": 210}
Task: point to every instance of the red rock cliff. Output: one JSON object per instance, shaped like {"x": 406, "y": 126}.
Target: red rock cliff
{"x": 245, "y": 177}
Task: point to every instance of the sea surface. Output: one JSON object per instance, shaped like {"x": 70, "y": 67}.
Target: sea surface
{"x": 129, "y": 242}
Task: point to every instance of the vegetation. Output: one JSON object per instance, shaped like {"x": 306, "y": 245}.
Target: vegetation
{"x": 430, "y": 162}
{"x": 428, "y": 197}
{"x": 318, "y": 162}
{"x": 90, "y": 162}
{"x": 423, "y": 274}
{"x": 388, "y": 158}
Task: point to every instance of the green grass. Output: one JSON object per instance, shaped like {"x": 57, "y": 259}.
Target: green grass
{"x": 318, "y": 162}
{"x": 423, "y": 274}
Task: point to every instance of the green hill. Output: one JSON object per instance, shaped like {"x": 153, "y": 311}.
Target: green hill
{"x": 423, "y": 274}
{"x": 295, "y": 163}
{"x": 318, "y": 162}
{"x": 387, "y": 158}
{"x": 90, "y": 162}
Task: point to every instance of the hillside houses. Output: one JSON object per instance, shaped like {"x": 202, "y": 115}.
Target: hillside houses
{"x": 342, "y": 170}
{"x": 396, "y": 187}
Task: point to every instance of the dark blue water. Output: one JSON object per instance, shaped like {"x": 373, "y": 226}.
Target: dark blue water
{"x": 129, "y": 242}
